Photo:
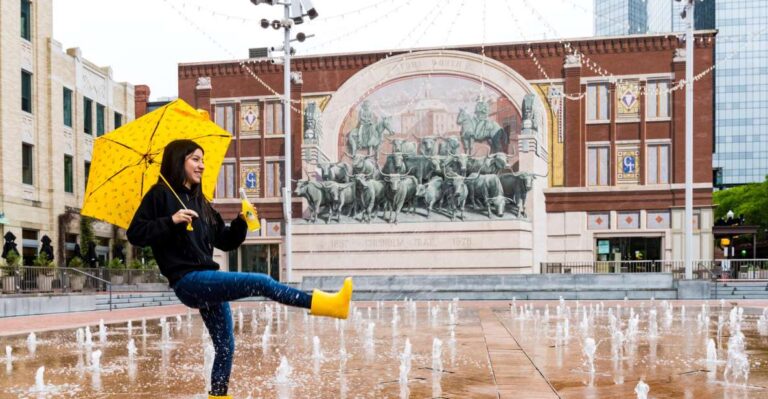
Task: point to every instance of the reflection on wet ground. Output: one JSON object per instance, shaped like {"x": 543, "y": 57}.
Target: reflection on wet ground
{"x": 528, "y": 349}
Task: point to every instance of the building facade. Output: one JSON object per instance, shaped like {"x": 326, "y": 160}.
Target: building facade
{"x": 620, "y": 17}
{"x": 603, "y": 154}
{"x": 53, "y": 104}
{"x": 741, "y": 99}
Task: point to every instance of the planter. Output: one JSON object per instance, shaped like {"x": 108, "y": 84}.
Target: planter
{"x": 138, "y": 278}
{"x": 77, "y": 282}
{"x": 117, "y": 280}
{"x": 9, "y": 284}
{"x": 44, "y": 283}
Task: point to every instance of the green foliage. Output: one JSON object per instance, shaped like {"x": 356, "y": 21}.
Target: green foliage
{"x": 115, "y": 263}
{"x": 76, "y": 262}
{"x": 13, "y": 260}
{"x": 86, "y": 233}
{"x": 42, "y": 260}
{"x": 750, "y": 200}
{"x": 136, "y": 265}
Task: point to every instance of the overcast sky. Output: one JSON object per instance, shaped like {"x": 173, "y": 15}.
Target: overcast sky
{"x": 144, "y": 40}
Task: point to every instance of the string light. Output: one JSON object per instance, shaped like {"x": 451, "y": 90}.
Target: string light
{"x": 356, "y": 30}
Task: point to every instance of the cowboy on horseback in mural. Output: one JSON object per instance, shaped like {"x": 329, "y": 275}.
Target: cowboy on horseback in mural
{"x": 369, "y": 130}
{"x": 481, "y": 128}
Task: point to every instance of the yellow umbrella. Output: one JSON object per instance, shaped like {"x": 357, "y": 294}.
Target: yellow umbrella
{"x": 126, "y": 162}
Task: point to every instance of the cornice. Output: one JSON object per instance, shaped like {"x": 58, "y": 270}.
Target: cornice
{"x": 500, "y": 52}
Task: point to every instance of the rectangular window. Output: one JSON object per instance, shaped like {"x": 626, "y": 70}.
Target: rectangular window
{"x": 67, "y": 107}
{"x": 275, "y": 178}
{"x": 26, "y": 91}
{"x": 68, "y": 175}
{"x": 26, "y": 16}
{"x": 87, "y": 170}
{"x": 87, "y": 115}
{"x": 27, "y": 164}
{"x": 99, "y": 120}
{"x": 225, "y": 117}
{"x": 657, "y": 99}
{"x": 658, "y": 164}
{"x": 598, "y": 166}
{"x": 273, "y": 118}
{"x": 29, "y": 245}
{"x": 225, "y": 185}
{"x": 118, "y": 120}
{"x": 598, "y": 106}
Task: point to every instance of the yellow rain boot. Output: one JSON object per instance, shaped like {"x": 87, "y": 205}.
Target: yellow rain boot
{"x": 219, "y": 397}
{"x": 332, "y": 305}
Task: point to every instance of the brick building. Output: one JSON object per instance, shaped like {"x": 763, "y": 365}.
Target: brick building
{"x": 608, "y": 153}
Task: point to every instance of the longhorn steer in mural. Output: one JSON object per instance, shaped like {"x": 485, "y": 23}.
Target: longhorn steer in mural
{"x": 488, "y": 189}
{"x": 365, "y": 164}
{"x": 422, "y": 167}
{"x": 428, "y": 145}
{"x": 400, "y": 191}
{"x": 369, "y": 195}
{"x": 341, "y": 195}
{"x": 338, "y": 172}
{"x": 431, "y": 192}
{"x": 480, "y": 128}
{"x": 395, "y": 163}
{"x": 455, "y": 193}
{"x": 403, "y": 146}
{"x": 314, "y": 193}
{"x": 516, "y": 187}
{"x": 449, "y": 146}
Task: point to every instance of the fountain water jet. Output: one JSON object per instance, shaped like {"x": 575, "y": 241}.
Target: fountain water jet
{"x": 39, "y": 381}
{"x": 589, "y": 348}
{"x": 32, "y": 343}
{"x": 642, "y": 389}
{"x": 405, "y": 369}
{"x": 102, "y": 332}
{"x": 208, "y": 354}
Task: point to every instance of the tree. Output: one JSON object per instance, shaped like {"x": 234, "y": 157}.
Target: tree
{"x": 749, "y": 200}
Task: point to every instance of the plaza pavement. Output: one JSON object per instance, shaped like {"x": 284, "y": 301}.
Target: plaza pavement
{"x": 513, "y": 370}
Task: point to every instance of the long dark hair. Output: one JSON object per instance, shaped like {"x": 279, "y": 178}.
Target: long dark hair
{"x": 172, "y": 168}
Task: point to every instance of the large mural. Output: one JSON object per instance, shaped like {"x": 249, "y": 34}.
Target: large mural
{"x": 425, "y": 147}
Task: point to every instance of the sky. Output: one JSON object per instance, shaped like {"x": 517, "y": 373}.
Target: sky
{"x": 145, "y": 40}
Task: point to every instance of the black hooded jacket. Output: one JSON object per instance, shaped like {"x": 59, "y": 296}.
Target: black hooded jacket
{"x": 177, "y": 250}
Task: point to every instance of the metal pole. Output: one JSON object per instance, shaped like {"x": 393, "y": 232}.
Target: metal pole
{"x": 287, "y": 134}
{"x": 689, "y": 143}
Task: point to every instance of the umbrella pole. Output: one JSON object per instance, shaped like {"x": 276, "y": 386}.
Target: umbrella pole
{"x": 189, "y": 225}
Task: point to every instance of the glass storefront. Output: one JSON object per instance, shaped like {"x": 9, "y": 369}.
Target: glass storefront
{"x": 628, "y": 248}
{"x": 256, "y": 258}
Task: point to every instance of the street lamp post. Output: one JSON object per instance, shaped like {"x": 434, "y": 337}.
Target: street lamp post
{"x": 687, "y": 14}
{"x": 293, "y": 12}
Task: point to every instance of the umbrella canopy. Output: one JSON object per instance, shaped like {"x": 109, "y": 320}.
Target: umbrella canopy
{"x": 126, "y": 162}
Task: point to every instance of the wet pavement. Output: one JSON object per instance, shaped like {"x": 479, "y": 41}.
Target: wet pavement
{"x": 487, "y": 351}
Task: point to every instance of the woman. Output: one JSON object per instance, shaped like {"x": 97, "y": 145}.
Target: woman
{"x": 185, "y": 256}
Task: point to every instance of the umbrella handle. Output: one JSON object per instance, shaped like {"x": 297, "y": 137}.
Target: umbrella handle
{"x": 189, "y": 225}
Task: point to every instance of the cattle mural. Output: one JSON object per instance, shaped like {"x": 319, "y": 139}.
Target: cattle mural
{"x": 438, "y": 147}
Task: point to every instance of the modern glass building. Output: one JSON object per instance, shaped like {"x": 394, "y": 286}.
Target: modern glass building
{"x": 741, "y": 92}
{"x": 620, "y": 17}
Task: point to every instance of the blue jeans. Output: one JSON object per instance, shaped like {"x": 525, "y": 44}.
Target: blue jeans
{"x": 210, "y": 290}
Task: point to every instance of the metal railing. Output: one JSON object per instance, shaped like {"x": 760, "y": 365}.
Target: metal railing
{"x": 37, "y": 279}
{"x": 702, "y": 269}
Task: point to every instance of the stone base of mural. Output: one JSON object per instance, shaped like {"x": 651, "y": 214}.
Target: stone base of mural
{"x": 472, "y": 247}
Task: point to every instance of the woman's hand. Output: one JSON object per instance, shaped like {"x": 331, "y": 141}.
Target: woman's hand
{"x": 184, "y": 216}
